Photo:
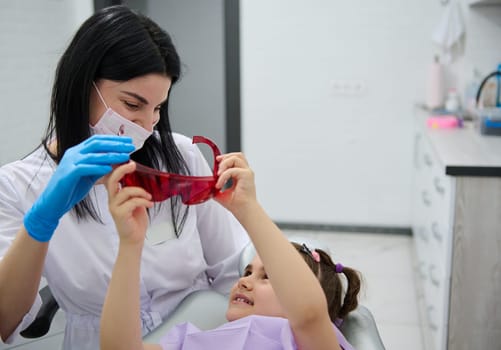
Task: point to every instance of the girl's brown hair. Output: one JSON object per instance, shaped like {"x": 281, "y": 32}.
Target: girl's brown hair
{"x": 331, "y": 283}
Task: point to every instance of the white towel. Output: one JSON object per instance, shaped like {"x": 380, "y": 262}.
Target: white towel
{"x": 449, "y": 30}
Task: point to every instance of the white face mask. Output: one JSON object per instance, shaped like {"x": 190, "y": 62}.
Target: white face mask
{"x": 112, "y": 123}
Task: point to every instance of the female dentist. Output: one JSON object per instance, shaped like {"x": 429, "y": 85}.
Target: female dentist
{"x": 54, "y": 218}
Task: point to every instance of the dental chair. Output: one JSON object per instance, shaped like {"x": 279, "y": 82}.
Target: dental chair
{"x": 359, "y": 327}
{"x": 206, "y": 309}
{"x": 41, "y": 324}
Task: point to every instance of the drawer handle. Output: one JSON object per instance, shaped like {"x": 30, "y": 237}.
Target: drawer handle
{"x": 426, "y": 198}
{"x": 435, "y": 281}
{"x": 433, "y": 326}
{"x": 438, "y": 186}
{"x": 436, "y": 232}
{"x": 427, "y": 160}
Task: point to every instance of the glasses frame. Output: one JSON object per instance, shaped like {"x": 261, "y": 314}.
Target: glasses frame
{"x": 163, "y": 185}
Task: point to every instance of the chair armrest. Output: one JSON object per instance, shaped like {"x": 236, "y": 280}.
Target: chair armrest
{"x": 41, "y": 324}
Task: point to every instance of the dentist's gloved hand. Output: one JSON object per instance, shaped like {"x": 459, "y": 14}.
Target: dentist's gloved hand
{"x": 81, "y": 166}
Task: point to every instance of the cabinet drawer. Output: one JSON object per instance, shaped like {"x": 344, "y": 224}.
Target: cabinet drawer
{"x": 433, "y": 199}
{"x": 436, "y": 330}
{"x": 438, "y": 231}
{"x": 436, "y": 297}
{"x": 436, "y": 186}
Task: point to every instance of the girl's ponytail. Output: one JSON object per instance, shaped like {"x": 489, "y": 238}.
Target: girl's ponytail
{"x": 350, "y": 301}
{"x": 339, "y": 302}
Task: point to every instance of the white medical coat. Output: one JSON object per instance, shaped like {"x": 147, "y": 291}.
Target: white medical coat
{"x": 82, "y": 253}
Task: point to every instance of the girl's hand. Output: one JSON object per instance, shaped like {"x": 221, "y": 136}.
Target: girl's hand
{"x": 128, "y": 206}
{"x": 242, "y": 194}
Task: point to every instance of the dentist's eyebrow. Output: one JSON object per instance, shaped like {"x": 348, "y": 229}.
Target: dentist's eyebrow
{"x": 140, "y": 98}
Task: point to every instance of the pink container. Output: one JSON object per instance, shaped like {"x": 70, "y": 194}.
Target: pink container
{"x": 443, "y": 122}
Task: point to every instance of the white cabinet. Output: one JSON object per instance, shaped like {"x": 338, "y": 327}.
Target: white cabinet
{"x": 432, "y": 227}
{"x": 456, "y": 224}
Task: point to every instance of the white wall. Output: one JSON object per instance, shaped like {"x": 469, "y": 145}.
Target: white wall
{"x": 318, "y": 157}
{"x": 33, "y": 35}
{"x": 336, "y": 159}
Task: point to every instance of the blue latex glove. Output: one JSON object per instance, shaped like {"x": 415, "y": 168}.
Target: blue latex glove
{"x": 81, "y": 166}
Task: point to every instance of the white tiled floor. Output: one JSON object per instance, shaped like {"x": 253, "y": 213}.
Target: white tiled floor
{"x": 386, "y": 263}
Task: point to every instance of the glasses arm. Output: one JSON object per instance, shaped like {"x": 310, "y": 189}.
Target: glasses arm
{"x": 215, "y": 150}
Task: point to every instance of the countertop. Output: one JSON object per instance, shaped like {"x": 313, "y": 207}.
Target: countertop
{"x": 464, "y": 151}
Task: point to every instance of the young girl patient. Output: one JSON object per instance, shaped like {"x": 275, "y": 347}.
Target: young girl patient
{"x": 290, "y": 297}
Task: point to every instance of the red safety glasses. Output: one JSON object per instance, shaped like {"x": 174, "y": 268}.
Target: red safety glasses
{"x": 162, "y": 185}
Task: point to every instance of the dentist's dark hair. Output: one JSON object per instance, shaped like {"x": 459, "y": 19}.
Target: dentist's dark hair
{"x": 116, "y": 44}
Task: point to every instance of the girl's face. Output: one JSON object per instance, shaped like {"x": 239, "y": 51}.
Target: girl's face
{"x": 139, "y": 99}
{"x": 253, "y": 294}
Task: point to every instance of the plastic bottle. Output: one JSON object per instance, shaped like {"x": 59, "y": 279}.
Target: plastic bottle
{"x": 452, "y": 102}
{"x": 470, "y": 95}
{"x": 435, "y": 85}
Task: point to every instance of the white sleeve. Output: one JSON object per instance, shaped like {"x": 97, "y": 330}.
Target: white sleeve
{"x": 11, "y": 212}
{"x": 11, "y": 218}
